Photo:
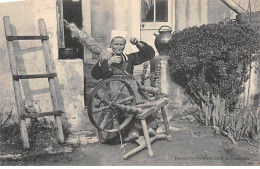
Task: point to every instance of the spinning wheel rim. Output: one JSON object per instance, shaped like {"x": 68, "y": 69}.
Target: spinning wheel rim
{"x": 93, "y": 94}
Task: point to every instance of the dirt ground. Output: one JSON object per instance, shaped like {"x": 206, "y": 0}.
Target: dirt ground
{"x": 193, "y": 144}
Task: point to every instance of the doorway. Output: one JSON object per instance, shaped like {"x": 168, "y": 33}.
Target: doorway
{"x": 154, "y": 14}
{"x": 72, "y": 12}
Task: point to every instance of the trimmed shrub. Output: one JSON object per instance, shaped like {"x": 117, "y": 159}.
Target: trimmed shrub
{"x": 213, "y": 59}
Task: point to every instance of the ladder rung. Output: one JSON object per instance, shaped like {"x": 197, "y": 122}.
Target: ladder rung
{"x": 10, "y": 38}
{"x": 34, "y": 115}
{"x": 50, "y": 75}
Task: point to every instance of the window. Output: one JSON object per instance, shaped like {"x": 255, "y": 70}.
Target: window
{"x": 154, "y": 11}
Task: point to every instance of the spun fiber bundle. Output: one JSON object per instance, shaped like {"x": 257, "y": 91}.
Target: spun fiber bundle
{"x": 84, "y": 38}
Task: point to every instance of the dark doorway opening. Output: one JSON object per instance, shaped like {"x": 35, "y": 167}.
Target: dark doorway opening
{"x": 72, "y": 12}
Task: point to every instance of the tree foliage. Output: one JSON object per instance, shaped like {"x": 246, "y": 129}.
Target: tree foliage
{"x": 213, "y": 59}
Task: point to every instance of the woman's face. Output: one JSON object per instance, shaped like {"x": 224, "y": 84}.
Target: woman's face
{"x": 118, "y": 45}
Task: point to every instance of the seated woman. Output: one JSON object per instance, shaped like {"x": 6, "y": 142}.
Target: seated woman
{"x": 113, "y": 58}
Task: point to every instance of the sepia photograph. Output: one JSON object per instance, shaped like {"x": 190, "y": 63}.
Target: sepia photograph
{"x": 129, "y": 83}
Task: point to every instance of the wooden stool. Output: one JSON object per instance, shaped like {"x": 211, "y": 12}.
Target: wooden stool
{"x": 158, "y": 105}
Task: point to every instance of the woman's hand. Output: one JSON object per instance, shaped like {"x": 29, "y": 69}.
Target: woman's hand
{"x": 114, "y": 59}
{"x": 136, "y": 42}
{"x": 108, "y": 55}
{"x": 133, "y": 40}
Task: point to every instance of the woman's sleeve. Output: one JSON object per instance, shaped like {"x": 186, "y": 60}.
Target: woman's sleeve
{"x": 101, "y": 70}
{"x": 146, "y": 52}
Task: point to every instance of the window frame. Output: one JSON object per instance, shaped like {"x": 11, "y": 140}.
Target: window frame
{"x": 155, "y": 25}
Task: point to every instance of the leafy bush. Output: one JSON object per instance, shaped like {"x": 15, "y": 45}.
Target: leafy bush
{"x": 213, "y": 59}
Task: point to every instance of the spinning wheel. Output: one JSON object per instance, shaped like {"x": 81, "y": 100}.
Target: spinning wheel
{"x": 114, "y": 103}
{"x": 104, "y": 105}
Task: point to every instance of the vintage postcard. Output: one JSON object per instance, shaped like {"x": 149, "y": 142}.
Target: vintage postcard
{"x": 129, "y": 82}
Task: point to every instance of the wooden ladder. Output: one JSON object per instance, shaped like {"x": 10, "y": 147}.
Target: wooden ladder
{"x": 51, "y": 75}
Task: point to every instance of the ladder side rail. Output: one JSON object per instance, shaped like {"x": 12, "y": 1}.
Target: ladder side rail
{"x": 49, "y": 69}
{"x": 16, "y": 84}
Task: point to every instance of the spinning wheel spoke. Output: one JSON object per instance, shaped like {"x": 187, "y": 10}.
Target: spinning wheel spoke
{"x": 108, "y": 90}
{"x": 101, "y": 99}
{"x": 118, "y": 93}
{"x": 98, "y": 110}
{"x": 124, "y": 101}
{"x": 104, "y": 122}
{"x": 98, "y": 97}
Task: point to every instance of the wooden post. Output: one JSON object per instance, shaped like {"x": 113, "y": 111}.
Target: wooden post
{"x": 16, "y": 84}
{"x": 147, "y": 138}
{"x": 166, "y": 124}
{"x": 157, "y": 76}
{"x": 143, "y": 75}
{"x": 49, "y": 69}
{"x": 165, "y": 75}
